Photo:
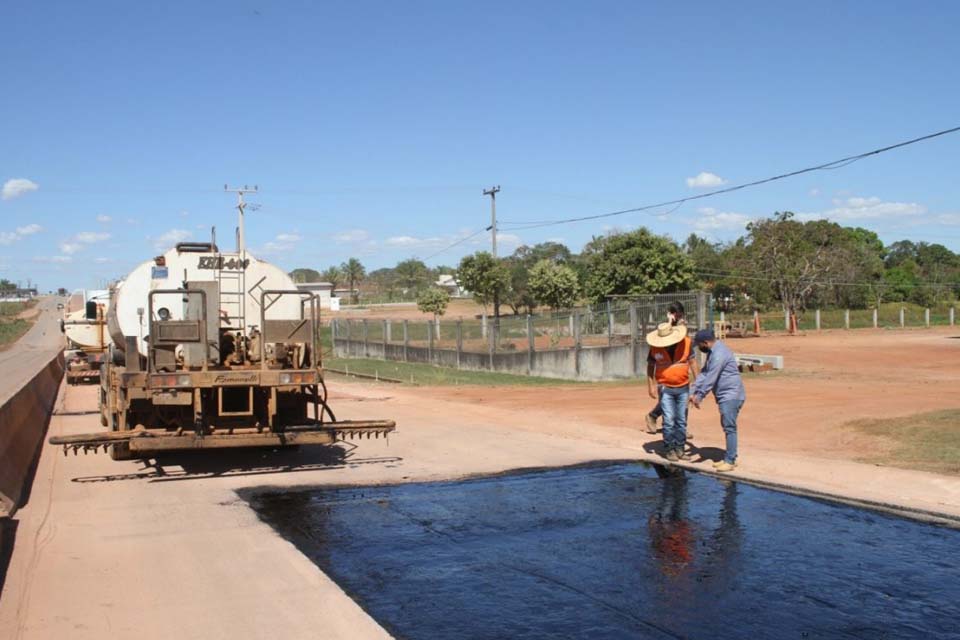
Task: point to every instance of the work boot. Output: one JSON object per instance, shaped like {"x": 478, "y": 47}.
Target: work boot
{"x": 651, "y": 424}
{"x": 723, "y": 466}
{"x": 671, "y": 455}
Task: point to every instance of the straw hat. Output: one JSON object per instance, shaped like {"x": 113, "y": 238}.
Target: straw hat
{"x": 666, "y": 334}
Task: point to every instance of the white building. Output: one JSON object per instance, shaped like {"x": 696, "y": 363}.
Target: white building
{"x": 323, "y": 290}
{"x": 449, "y": 283}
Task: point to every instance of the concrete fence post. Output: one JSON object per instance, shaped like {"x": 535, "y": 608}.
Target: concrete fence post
{"x": 926, "y": 317}
{"x": 349, "y": 329}
{"x": 430, "y": 341}
{"x": 952, "y": 313}
{"x": 723, "y": 320}
{"x": 786, "y": 320}
{"x": 570, "y": 322}
{"x": 609, "y": 325}
{"x": 366, "y": 352}
{"x": 902, "y": 320}
{"x": 406, "y": 339}
{"x": 816, "y": 318}
{"x": 633, "y": 339}
{"x": 333, "y": 328}
{"x": 846, "y": 318}
{"x": 483, "y": 324}
{"x": 384, "y": 336}
{"x": 491, "y": 347}
{"x": 459, "y": 341}
{"x": 876, "y": 318}
{"x": 388, "y": 330}
{"x": 575, "y": 318}
{"x": 531, "y": 347}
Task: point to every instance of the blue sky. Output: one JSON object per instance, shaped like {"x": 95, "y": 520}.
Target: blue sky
{"x": 372, "y": 128}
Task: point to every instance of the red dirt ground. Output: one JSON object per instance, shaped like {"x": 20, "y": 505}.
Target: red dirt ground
{"x": 830, "y": 378}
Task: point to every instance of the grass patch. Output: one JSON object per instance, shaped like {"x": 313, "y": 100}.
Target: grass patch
{"x": 425, "y": 374}
{"x": 925, "y": 441}
{"x": 12, "y": 330}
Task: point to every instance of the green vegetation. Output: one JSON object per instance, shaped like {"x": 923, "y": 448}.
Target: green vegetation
{"x": 925, "y": 441}
{"x": 12, "y": 327}
{"x": 429, "y": 375}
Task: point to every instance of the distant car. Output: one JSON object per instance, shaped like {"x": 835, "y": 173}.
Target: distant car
{"x": 60, "y": 306}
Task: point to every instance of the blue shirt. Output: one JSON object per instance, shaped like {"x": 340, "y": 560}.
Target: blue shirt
{"x": 720, "y": 375}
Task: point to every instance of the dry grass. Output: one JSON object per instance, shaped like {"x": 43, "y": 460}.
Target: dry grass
{"x": 924, "y": 441}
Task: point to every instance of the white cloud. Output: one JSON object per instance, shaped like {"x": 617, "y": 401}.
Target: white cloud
{"x": 104, "y": 218}
{"x": 70, "y": 247}
{"x": 282, "y": 243}
{"x": 413, "y": 242}
{"x": 91, "y": 237}
{"x": 9, "y": 237}
{"x": 29, "y": 230}
{"x": 102, "y": 260}
{"x": 712, "y": 220}
{"x": 16, "y": 187}
{"x": 814, "y": 192}
{"x": 351, "y": 236}
{"x": 170, "y": 238}
{"x": 948, "y": 218}
{"x": 858, "y": 208}
{"x": 508, "y": 239}
{"x": 705, "y": 179}
{"x": 54, "y": 259}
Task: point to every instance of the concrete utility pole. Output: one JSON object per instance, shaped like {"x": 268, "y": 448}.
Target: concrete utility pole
{"x": 492, "y": 192}
{"x": 241, "y": 205}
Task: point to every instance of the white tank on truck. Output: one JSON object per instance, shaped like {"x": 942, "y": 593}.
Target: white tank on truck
{"x": 213, "y": 349}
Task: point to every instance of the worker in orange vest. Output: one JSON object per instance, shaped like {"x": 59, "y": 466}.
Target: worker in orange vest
{"x": 670, "y": 367}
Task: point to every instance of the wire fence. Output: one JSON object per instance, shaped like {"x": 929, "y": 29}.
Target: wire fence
{"x": 619, "y": 321}
{"x": 888, "y": 315}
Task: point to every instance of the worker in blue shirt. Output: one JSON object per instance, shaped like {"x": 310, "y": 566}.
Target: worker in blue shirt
{"x": 721, "y": 376}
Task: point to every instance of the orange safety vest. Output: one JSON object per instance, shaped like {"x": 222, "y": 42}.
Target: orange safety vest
{"x": 673, "y": 373}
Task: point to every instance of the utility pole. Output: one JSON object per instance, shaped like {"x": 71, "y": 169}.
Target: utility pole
{"x": 241, "y": 205}
{"x": 492, "y": 192}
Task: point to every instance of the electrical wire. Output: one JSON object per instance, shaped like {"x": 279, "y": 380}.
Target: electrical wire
{"x": 460, "y": 241}
{"x": 834, "y": 164}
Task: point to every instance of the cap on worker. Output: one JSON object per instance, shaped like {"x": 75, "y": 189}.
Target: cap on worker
{"x": 704, "y": 335}
{"x": 666, "y": 335}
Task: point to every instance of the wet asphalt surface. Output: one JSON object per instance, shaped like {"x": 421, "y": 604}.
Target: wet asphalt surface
{"x": 619, "y": 552}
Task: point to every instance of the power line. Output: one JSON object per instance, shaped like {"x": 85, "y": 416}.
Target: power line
{"x": 834, "y": 164}
{"x": 460, "y": 241}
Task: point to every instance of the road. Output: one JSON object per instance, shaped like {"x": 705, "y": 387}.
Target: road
{"x": 34, "y": 350}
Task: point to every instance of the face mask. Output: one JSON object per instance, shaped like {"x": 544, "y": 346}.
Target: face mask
{"x": 704, "y": 349}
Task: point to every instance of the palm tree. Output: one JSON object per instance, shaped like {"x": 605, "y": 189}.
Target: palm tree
{"x": 354, "y": 272}
{"x": 332, "y": 275}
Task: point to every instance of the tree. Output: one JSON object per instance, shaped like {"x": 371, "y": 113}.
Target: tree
{"x": 635, "y": 263}
{"x": 485, "y": 277}
{"x": 434, "y": 301}
{"x": 353, "y": 271}
{"x": 302, "y": 274}
{"x": 412, "y": 275}
{"x": 794, "y": 257}
{"x": 554, "y": 285}
{"x": 333, "y": 275}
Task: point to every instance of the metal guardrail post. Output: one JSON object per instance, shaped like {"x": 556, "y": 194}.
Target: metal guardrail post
{"x": 876, "y": 319}
{"x": 902, "y": 318}
{"x": 816, "y": 316}
{"x": 926, "y": 317}
{"x": 846, "y": 318}
{"x": 952, "y": 314}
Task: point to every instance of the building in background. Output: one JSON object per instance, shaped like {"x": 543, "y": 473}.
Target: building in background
{"x": 323, "y": 290}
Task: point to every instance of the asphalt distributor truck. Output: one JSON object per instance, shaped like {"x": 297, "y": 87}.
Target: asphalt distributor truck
{"x": 213, "y": 350}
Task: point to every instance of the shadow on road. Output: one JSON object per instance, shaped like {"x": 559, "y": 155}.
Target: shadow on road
{"x": 199, "y": 465}
{"x": 8, "y": 532}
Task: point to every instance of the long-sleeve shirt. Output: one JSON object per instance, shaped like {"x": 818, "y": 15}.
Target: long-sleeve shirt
{"x": 720, "y": 375}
